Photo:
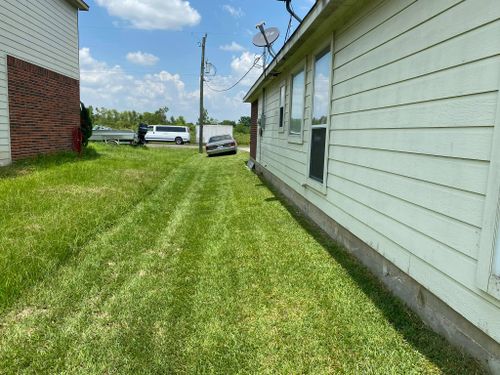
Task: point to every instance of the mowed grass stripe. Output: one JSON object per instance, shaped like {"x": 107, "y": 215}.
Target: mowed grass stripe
{"x": 58, "y": 311}
{"x": 217, "y": 343}
{"x": 50, "y": 208}
{"x": 142, "y": 308}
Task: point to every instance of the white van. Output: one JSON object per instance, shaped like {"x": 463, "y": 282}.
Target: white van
{"x": 168, "y": 133}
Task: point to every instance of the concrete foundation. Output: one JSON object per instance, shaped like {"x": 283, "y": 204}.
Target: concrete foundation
{"x": 433, "y": 311}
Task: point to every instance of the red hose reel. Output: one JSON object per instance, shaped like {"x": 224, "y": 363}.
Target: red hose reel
{"x": 77, "y": 140}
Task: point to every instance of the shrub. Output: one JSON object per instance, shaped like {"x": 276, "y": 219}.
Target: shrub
{"x": 85, "y": 124}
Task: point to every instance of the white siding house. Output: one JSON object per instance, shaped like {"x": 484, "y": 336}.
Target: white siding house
{"x": 42, "y": 33}
{"x": 411, "y": 164}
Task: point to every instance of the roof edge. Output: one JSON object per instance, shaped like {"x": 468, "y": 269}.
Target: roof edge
{"x": 80, "y": 4}
{"x": 319, "y": 7}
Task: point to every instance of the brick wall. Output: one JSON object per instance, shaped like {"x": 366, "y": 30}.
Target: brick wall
{"x": 44, "y": 107}
{"x": 253, "y": 129}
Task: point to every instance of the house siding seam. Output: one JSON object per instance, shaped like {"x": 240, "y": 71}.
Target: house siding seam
{"x": 414, "y": 99}
{"x": 44, "y": 108}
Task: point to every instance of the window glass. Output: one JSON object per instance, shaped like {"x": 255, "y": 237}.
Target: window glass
{"x": 218, "y": 138}
{"x": 178, "y": 129}
{"x": 321, "y": 97}
{"x": 320, "y": 113}
{"x": 317, "y": 163}
{"x": 150, "y": 128}
{"x": 282, "y": 106}
{"x": 162, "y": 128}
{"x": 297, "y": 103}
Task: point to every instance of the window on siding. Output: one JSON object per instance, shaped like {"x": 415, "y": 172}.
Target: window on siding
{"x": 297, "y": 103}
{"x": 320, "y": 113}
{"x": 282, "y": 106}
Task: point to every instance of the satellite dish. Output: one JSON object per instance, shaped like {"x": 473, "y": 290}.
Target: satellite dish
{"x": 266, "y": 38}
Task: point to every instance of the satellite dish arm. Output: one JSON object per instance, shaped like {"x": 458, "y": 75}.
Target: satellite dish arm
{"x": 290, "y": 10}
{"x": 260, "y": 26}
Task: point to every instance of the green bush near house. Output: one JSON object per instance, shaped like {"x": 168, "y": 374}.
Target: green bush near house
{"x": 242, "y": 139}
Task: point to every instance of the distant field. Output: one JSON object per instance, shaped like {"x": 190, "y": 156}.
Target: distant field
{"x": 164, "y": 261}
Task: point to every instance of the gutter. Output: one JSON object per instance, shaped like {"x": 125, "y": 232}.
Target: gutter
{"x": 80, "y": 4}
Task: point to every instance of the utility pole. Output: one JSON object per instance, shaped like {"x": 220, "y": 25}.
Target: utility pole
{"x": 202, "y": 81}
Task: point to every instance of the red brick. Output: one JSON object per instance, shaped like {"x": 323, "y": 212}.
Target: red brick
{"x": 44, "y": 108}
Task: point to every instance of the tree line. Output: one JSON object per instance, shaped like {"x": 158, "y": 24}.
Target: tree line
{"x": 131, "y": 119}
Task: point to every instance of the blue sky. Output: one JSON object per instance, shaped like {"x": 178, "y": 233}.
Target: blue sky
{"x": 143, "y": 54}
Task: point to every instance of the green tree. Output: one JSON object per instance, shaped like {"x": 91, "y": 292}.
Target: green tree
{"x": 245, "y": 120}
{"x": 207, "y": 120}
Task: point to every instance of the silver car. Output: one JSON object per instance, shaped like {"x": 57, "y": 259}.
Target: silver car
{"x": 221, "y": 144}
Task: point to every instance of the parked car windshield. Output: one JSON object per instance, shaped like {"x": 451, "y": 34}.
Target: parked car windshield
{"x": 218, "y": 138}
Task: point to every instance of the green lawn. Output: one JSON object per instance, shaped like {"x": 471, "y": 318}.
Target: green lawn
{"x": 164, "y": 261}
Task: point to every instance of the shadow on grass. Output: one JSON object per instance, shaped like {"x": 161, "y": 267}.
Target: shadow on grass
{"x": 39, "y": 163}
{"x": 272, "y": 199}
{"x": 434, "y": 347}
{"x": 222, "y": 154}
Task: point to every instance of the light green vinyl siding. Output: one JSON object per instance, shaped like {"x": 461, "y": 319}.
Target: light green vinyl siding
{"x": 414, "y": 100}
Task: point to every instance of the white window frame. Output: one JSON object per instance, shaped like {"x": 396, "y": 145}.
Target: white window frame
{"x": 311, "y": 183}
{"x": 486, "y": 279}
{"x": 299, "y": 137}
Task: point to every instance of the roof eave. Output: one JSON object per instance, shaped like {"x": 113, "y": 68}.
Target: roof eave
{"x": 304, "y": 28}
{"x": 80, "y": 4}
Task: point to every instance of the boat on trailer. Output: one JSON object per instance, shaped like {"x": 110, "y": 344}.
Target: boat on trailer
{"x": 108, "y": 135}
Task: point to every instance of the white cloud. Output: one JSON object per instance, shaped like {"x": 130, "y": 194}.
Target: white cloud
{"x": 240, "y": 65}
{"x": 153, "y": 14}
{"x": 233, "y": 47}
{"x": 234, "y": 12}
{"x": 103, "y": 85}
{"x": 142, "y": 58}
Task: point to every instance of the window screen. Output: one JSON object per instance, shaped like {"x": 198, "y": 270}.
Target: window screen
{"x": 317, "y": 162}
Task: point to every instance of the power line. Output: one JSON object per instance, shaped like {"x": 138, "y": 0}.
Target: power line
{"x": 238, "y": 81}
